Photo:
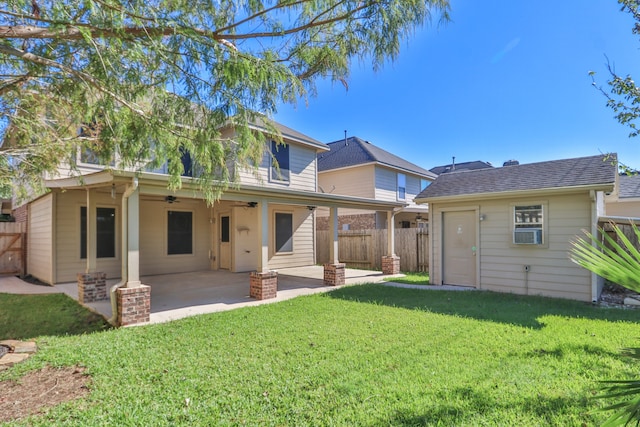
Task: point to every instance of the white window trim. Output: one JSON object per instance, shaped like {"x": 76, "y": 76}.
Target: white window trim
{"x": 275, "y": 233}
{"x": 398, "y": 187}
{"x": 544, "y": 226}
{"x": 272, "y": 165}
{"x": 194, "y": 235}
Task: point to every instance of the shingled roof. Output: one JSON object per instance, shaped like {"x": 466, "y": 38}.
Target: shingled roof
{"x": 629, "y": 186}
{"x": 290, "y": 134}
{"x": 354, "y": 151}
{"x": 584, "y": 171}
{"x": 476, "y": 164}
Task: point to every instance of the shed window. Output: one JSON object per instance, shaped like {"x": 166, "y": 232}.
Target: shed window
{"x": 279, "y": 162}
{"x": 179, "y": 233}
{"x": 105, "y": 232}
{"x": 528, "y": 224}
{"x": 284, "y": 232}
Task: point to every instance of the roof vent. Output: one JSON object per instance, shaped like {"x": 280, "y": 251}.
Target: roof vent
{"x": 511, "y": 163}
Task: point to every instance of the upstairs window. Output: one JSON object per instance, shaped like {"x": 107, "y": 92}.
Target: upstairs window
{"x": 424, "y": 183}
{"x": 279, "y": 162}
{"x": 528, "y": 225}
{"x": 402, "y": 186}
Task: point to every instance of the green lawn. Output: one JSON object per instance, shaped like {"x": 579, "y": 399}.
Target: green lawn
{"x": 366, "y": 355}
{"x": 27, "y": 316}
{"x": 411, "y": 279}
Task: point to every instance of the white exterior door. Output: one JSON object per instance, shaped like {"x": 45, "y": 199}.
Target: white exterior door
{"x": 459, "y": 248}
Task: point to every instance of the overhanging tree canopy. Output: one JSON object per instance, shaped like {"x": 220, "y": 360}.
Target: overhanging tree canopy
{"x": 149, "y": 79}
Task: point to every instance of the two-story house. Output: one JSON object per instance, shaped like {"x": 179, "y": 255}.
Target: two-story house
{"x": 112, "y": 223}
{"x": 356, "y": 167}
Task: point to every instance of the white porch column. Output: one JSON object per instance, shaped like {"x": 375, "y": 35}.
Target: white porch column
{"x": 91, "y": 232}
{"x": 263, "y": 225}
{"x": 391, "y": 231}
{"x": 333, "y": 228}
{"x": 133, "y": 240}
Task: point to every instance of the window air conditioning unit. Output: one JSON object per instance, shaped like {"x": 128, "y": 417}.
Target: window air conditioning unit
{"x": 527, "y": 236}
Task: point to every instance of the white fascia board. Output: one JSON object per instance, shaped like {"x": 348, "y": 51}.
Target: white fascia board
{"x": 517, "y": 193}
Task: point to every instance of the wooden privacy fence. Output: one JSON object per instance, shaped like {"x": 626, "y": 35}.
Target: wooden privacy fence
{"x": 365, "y": 248}
{"x": 12, "y": 248}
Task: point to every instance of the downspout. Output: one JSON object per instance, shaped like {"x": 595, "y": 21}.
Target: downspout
{"x": 124, "y": 230}
{"x": 594, "y": 233}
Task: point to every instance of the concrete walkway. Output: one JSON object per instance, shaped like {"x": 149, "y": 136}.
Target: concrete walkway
{"x": 174, "y": 296}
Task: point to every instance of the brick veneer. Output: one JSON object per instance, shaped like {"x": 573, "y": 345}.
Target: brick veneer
{"x": 390, "y": 264}
{"x": 92, "y": 287}
{"x": 263, "y": 285}
{"x": 356, "y": 222}
{"x": 21, "y": 213}
{"x": 334, "y": 274}
{"x": 134, "y": 305}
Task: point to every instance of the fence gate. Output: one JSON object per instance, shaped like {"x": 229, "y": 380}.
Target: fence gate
{"x": 355, "y": 249}
{"x": 12, "y": 257}
{"x": 422, "y": 250}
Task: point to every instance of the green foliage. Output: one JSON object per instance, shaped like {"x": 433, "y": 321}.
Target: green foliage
{"x": 617, "y": 262}
{"x": 157, "y": 77}
{"x": 623, "y": 96}
{"x": 367, "y": 355}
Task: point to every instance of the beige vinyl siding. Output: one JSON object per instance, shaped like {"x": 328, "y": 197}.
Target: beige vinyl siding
{"x": 67, "y": 242}
{"x": 357, "y": 181}
{"x": 302, "y": 167}
{"x": 153, "y": 238}
{"x": 40, "y": 239}
{"x": 502, "y": 263}
{"x": 386, "y": 184}
{"x": 303, "y": 238}
{"x": 623, "y": 208}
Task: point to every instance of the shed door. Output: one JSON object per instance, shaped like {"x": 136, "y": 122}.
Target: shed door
{"x": 459, "y": 248}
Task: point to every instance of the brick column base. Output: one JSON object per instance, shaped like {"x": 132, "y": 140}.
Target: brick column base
{"x": 391, "y": 264}
{"x": 263, "y": 285}
{"x": 334, "y": 274}
{"x": 134, "y": 305}
{"x": 92, "y": 287}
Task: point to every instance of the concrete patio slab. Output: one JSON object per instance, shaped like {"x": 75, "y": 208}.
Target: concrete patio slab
{"x": 175, "y": 296}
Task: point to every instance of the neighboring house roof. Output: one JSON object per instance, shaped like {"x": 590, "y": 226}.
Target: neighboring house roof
{"x": 291, "y": 134}
{"x": 585, "y": 171}
{"x": 629, "y": 186}
{"x": 354, "y": 151}
{"x": 476, "y": 164}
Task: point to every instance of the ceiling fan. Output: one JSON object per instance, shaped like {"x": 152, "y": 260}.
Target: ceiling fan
{"x": 167, "y": 199}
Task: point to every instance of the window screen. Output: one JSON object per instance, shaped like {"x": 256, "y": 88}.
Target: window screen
{"x": 280, "y": 162}
{"x": 284, "y": 232}
{"x": 179, "y": 233}
{"x": 105, "y": 232}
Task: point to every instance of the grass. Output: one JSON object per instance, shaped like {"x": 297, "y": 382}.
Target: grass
{"x": 411, "y": 279}
{"x": 367, "y": 355}
{"x": 28, "y": 316}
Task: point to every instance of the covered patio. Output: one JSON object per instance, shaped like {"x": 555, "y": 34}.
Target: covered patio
{"x": 180, "y": 295}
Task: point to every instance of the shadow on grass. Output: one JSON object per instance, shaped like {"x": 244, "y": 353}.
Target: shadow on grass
{"x": 483, "y": 305}
{"x": 29, "y": 316}
{"x": 468, "y": 405}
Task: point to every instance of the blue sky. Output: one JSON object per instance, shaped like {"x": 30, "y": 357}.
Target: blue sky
{"x": 503, "y": 80}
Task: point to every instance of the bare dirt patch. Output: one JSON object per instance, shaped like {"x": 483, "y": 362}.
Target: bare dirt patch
{"x": 40, "y": 390}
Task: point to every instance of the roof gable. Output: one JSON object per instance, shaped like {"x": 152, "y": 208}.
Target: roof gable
{"x": 354, "y": 151}
{"x": 583, "y": 171}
